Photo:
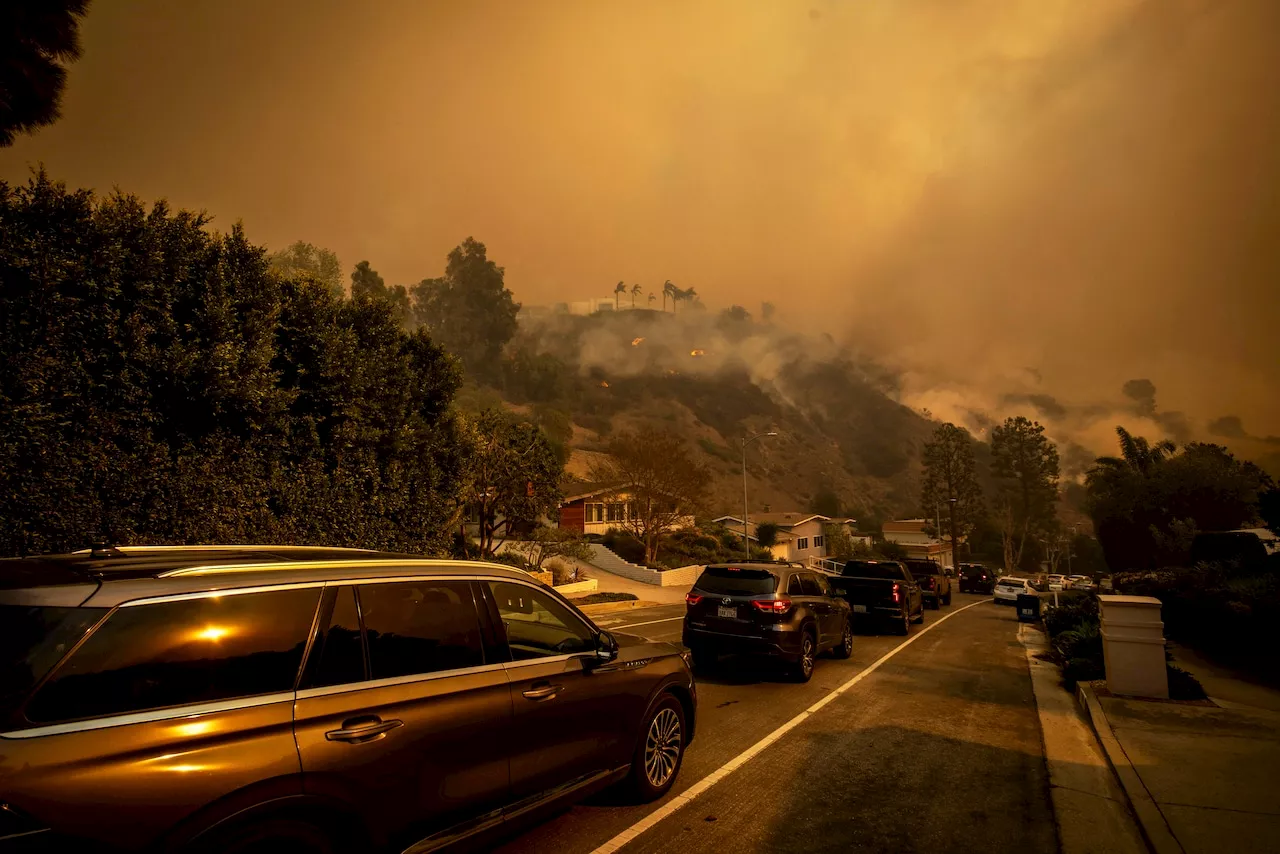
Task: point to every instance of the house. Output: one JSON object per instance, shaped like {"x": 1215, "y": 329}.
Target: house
{"x": 910, "y": 534}
{"x": 801, "y": 536}
{"x": 594, "y": 508}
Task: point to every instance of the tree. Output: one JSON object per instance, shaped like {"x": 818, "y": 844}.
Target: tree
{"x": 665, "y": 484}
{"x": 618, "y": 290}
{"x": 826, "y": 503}
{"x": 1024, "y": 464}
{"x": 546, "y": 543}
{"x": 159, "y": 384}
{"x": 469, "y": 310}
{"x": 1269, "y": 509}
{"x": 653, "y": 299}
{"x": 767, "y": 310}
{"x": 367, "y": 284}
{"x": 668, "y": 290}
{"x": 891, "y": 550}
{"x": 1148, "y": 503}
{"x": 38, "y": 39}
{"x": 512, "y": 478}
{"x": 840, "y": 544}
{"x": 767, "y": 535}
{"x": 635, "y": 292}
{"x": 951, "y": 484}
{"x": 303, "y": 259}
{"x": 736, "y": 314}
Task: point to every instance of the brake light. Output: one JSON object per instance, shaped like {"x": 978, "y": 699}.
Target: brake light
{"x": 692, "y": 599}
{"x": 896, "y": 595}
{"x": 772, "y": 606}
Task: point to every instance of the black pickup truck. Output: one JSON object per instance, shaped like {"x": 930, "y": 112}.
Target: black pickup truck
{"x": 934, "y": 582}
{"x": 881, "y": 591}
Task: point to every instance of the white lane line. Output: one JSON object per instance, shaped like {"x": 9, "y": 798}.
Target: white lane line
{"x": 688, "y": 795}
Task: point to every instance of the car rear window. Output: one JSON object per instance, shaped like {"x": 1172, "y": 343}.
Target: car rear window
{"x": 737, "y": 581}
{"x": 923, "y": 567}
{"x": 869, "y": 569}
{"x": 32, "y": 641}
{"x": 182, "y": 652}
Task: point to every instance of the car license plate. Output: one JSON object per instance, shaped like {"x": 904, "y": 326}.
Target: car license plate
{"x": 860, "y": 609}
{"x": 731, "y": 613}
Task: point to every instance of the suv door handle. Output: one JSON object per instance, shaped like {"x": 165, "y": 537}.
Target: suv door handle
{"x": 370, "y": 731}
{"x": 542, "y": 691}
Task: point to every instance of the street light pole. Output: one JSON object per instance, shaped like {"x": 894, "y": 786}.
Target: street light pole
{"x": 746, "y": 543}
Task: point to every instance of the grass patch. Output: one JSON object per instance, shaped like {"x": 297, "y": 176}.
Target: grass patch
{"x": 600, "y": 598}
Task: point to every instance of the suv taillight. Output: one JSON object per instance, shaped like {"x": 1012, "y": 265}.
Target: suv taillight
{"x": 896, "y": 593}
{"x": 692, "y": 599}
{"x": 772, "y": 606}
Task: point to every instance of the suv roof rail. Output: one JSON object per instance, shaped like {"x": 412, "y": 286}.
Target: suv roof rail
{"x": 117, "y": 551}
{"x": 229, "y": 568}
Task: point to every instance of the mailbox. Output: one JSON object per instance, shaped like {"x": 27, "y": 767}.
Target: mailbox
{"x": 1028, "y": 607}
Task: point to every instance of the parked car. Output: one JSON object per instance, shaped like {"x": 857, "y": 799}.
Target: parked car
{"x": 976, "y": 578}
{"x": 881, "y": 591}
{"x": 934, "y": 583}
{"x": 1057, "y": 582}
{"x": 1008, "y": 589}
{"x": 263, "y": 698}
{"x": 766, "y": 609}
{"x": 1079, "y": 582}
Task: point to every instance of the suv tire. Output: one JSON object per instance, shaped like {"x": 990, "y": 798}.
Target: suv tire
{"x": 903, "y": 626}
{"x": 659, "y": 750}
{"x": 273, "y": 836}
{"x": 802, "y": 668}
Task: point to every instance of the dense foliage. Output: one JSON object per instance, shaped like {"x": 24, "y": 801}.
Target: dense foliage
{"x": 158, "y": 383}
{"x": 38, "y": 39}
{"x": 950, "y": 488}
{"x": 1148, "y": 504}
{"x": 1024, "y": 464}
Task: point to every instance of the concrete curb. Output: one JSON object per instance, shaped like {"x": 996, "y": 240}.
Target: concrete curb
{"x": 1155, "y": 830}
{"x": 611, "y": 607}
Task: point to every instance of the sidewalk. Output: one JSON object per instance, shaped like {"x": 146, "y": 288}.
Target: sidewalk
{"x": 1201, "y": 779}
{"x": 609, "y": 583}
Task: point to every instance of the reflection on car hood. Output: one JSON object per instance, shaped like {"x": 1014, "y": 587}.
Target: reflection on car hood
{"x": 630, "y": 640}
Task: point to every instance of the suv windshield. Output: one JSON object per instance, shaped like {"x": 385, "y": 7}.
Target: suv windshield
{"x": 735, "y": 581}
{"x": 32, "y": 641}
{"x": 872, "y": 569}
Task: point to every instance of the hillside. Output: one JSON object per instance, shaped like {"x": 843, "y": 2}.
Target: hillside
{"x": 715, "y": 381}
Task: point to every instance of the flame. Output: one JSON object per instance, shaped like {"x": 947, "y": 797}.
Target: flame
{"x": 697, "y": 352}
{"x": 636, "y": 342}
{"x": 604, "y": 383}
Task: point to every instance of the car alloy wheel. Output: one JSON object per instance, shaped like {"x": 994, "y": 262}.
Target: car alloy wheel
{"x": 662, "y": 747}
{"x": 845, "y": 649}
{"x": 906, "y": 620}
{"x": 806, "y": 656}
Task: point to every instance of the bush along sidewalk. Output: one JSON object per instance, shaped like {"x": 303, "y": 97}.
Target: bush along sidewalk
{"x": 1074, "y": 628}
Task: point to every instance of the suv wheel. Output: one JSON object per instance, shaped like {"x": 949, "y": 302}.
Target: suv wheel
{"x": 802, "y": 670}
{"x": 273, "y": 836}
{"x": 660, "y": 751}
{"x": 844, "y": 649}
{"x": 947, "y": 600}
{"x": 904, "y": 627}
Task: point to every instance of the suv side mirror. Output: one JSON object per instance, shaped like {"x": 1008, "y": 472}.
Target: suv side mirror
{"x": 606, "y": 647}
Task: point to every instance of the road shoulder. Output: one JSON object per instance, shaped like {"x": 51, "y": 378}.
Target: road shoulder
{"x": 1090, "y": 810}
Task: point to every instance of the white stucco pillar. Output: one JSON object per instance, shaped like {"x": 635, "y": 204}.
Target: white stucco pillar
{"x": 1133, "y": 646}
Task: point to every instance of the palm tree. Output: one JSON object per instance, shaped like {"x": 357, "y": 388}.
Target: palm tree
{"x": 635, "y": 292}
{"x": 691, "y": 295}
{"x": 668, "y": 290}
{"x": 653, "y": 299}
{"x": 618, "y": 291}
{"x": 1137, "y": 454}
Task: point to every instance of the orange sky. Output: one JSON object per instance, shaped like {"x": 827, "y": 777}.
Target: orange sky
{"x": 965, "y": 188}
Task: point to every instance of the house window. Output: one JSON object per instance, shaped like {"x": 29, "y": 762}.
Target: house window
{"x": 595, "y": 513}
{"x": 802, "y": 544}
{"x": 817, "y": 542}
{"x": 616, "y": 513}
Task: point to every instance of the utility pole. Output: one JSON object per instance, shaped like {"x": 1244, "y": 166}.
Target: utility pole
{"x": 955, "y": 549}
{"x": 746, "y": 542}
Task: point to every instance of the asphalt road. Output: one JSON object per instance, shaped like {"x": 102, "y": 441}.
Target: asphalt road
{"x": 938, "y": 749}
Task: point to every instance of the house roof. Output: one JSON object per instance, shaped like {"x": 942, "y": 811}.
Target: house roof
{"x": 591, "y": 490}
{"x": 782, "y": 520}
{"x": 905, "y": 526}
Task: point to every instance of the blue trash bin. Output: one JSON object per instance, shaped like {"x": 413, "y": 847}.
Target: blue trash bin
{"x": 1028, "y": 607}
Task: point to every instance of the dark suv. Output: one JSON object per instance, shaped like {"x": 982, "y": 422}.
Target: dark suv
{"x": 296, "y": 699}
{"x": 766, "y": 609}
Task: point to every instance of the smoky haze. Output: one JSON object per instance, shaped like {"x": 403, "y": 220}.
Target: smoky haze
{"x": 1008, "y": 202}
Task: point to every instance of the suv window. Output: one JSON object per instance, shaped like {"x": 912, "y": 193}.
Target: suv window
{"x": 199, "y": 650}
{"x": 415, "y": 627}
{"x": 872, "y": 569}
{"x": 537, "y": 625}
{"x": 810, "y": 584}
{"x": 338, "y": 655}
{"x": 737, "y": 581}
{"x": 794, "y": 587}
{"x": 33, "y": 640}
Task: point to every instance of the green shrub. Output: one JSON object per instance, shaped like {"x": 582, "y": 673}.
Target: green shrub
{"x": 511, "y": 559}
{"x": 1072, "y": 610}
{"x": 624, "y": 545}
{"x": 1082, "y": 670}
{"x": 598, "y": 598}
{"x": 1184, "y": 686}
